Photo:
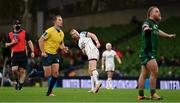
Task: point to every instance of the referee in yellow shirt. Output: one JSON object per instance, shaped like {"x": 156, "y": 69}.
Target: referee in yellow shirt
{"x": 49, "y": 43}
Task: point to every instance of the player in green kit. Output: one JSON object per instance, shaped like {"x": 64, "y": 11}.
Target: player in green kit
{"x": 148, "y": 51}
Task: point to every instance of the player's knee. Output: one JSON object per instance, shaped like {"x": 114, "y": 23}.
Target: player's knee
{"x": 22, "y": 71}
{"x": 15, "y": 68}
{"x": 154, "y": 74}
{"x": 55, "y": 74}
{"x": 46, "y": 75}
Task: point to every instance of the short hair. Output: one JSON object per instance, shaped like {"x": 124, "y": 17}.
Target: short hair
{"x": 55, "y": 17}
{"x": 71, "y": 30}
{"x": 16, "y": 21}
{"x": 149, "y": 11}
{"x": 108, "y": 44}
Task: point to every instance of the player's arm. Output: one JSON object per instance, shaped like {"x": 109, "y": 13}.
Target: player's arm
{"x": 118, "y": 59}
{"x": 166, "y": 35}
{"x": 8, "y": 42}
{"x": 63, "y": 47}
{"x": 102, "y": 62}
{"x": 30, "y": 43}
{"x": 147, "y": 29}
{"x": 83, "y": 51}
{"x": 41, "y": 44}
{"x": 31, "y": 46}
{"x": 94, "y": 37}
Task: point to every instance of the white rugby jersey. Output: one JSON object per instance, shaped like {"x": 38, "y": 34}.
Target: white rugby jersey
{"x": 109, "y": 57}
{"x": 85, "y": 42}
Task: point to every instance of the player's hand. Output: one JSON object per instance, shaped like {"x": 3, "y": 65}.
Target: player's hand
{"x": 32, "y": 54}
{"x": 120, "y": 62}
{"x": 66, "y": 49}
{"x": 14, "y": 41}
{"x": 83, "y": 51}
{"x": 146, "y": 27}
{"x": 172, "y": 35}
{"x": 44, "y": 54}
{"x": 98, "y": 45}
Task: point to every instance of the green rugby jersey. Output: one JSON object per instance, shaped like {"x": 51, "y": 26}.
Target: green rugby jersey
{"x": 149, "y": 40}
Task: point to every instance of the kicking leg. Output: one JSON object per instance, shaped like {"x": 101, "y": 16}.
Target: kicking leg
{"x": 93, "y": 70}
{"x": 92, "y": 82}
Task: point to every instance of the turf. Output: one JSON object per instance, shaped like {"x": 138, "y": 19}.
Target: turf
{"x": 34, "y": 94}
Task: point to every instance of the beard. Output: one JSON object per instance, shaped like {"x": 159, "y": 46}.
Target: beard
{"x": 158, "y": 18}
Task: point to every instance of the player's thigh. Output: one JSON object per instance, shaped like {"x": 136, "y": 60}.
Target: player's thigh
{"x": 22, "y": 70}
{"x": 14, "y": 68}
{"x": 47, "y": 71}
{"x": 47, "y": 61}
{"x": 144, "y": 71}
{"x": 92, "y": 64}
{"x": 55, "y": 69}
{"x": 109, "y": 67}
{"x": 93, "y": 54}
{"x": 23, "y": 64}
{"x": 152, "y": 66}
{"x": 14, "y": 64}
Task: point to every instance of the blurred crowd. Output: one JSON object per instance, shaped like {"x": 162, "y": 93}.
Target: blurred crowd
{"x": 173, "y": 61}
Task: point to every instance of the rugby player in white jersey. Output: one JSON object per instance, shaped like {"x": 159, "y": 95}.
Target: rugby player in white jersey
{"x": 108, "y": 64}
{"x": 85, "y": 43}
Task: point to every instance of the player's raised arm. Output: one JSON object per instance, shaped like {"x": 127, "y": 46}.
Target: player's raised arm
{"x": 94, "y": 37}
{"x": 166, "y": 35}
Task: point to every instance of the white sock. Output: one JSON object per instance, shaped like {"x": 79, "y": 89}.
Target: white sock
{"x": 107, "y": 83}
{"x": 110, "y": 82}
{"x": 92, "y": 82}
{"x": 95, "y": 76}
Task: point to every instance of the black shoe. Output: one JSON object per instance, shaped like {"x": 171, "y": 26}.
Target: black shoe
{"x": 17, "y": 86}
{"x": 20, "y": 86}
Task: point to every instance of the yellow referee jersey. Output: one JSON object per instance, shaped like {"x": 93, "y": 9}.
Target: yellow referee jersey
{"x": 53, "y": 38}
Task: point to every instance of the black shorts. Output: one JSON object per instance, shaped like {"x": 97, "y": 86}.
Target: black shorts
{"x": 145, "y": 59}
{"x": 20, "y": 59}
{"x": 50, "y": 59}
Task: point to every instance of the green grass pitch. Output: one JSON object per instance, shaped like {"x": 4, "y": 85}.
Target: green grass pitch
{"x": 34, "y": 94}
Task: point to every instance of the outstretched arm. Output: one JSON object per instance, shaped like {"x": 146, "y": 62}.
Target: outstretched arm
{"x": 166, "y": 35}
{"x": 94, "y": 37}
{"x": 118, "y": 59}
